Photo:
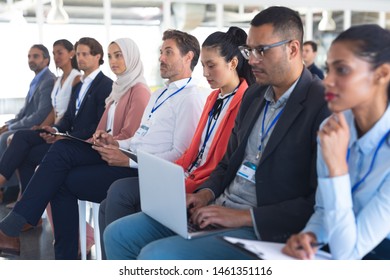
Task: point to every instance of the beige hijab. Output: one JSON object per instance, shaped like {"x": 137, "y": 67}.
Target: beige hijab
{"x": 133, "y": 74}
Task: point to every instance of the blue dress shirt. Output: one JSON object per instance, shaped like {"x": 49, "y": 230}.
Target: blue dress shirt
{"x": 355, "y": 222}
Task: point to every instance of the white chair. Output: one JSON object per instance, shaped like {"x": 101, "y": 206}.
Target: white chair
{"x": 83, "y": 228}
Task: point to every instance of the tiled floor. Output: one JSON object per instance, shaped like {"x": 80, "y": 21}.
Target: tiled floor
{"x": 36, "y": 244}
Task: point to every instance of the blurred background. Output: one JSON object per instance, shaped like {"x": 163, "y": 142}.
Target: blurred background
{"x": 27, "y": 22}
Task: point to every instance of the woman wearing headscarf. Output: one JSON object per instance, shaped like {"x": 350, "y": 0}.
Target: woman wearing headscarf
{"x": 80, "y": 164}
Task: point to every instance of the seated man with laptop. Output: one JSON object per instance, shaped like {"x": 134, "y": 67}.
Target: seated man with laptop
{"x": 164, "y": 197}
{"x": 264, "y": 186}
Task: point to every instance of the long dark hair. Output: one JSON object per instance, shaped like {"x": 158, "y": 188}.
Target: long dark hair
{"x": 370, "y": 42}
{"x": 227, "y": 43}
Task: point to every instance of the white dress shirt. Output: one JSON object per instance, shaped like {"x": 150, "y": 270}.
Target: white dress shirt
{"x": 60, "y": 95}
{"x": 87, "y": 81}
{"x": 172, "y": 125}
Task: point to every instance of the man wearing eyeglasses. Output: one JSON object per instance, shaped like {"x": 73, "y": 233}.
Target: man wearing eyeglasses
{"x": 264, "y": 186}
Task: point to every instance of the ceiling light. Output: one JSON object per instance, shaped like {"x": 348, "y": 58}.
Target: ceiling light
{"x": 57, "y": 13}
{"x": 327, "y": 23}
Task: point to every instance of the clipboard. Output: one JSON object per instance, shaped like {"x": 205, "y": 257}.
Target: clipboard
{"x": 265, "y": 250}
{"x": 130, "y": 154}
{"x": 68, "y": 136}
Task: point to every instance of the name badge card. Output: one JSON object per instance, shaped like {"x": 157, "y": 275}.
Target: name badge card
{"x": 144, "y": 128}
{"x": 247, "y": 171}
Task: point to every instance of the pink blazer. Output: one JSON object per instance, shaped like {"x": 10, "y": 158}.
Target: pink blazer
{"x": 128, "y": 112}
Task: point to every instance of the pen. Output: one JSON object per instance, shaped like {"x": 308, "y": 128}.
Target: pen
{"x": 313, "y": 245}
{"x": 107, "y": 131}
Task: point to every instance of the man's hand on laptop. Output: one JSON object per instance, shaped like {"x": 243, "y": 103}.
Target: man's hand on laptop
{"x": 221, "y": 216}
{"x": 199, "y": 199}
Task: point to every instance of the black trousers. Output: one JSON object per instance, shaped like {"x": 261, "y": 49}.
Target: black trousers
{"x": 69, "y": 171}
{"x": 380, "y": 252}
{"x": 122, "y": 199}
{"x": 24, "y": 153}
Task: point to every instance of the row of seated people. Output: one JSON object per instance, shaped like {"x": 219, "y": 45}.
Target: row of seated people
{"x": 167, "y": 126}
{"x": 264, "y": 186}
{"x": 288, "y": 127}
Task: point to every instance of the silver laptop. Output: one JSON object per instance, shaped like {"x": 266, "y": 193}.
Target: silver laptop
{"x": 163, "y": 196}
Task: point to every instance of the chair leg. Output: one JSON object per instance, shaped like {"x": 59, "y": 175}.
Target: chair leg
{"x": 96, "y": 231}
{"x": 82, "y": 229}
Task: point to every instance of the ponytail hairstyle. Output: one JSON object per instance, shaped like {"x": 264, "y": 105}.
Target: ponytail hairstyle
{"x": 227, "y": 44}
{"x": 69, "y": 47}
{"x": 370, "y": 42}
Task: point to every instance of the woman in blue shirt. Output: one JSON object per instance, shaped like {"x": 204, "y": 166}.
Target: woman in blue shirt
{"x": 352, "y": 212}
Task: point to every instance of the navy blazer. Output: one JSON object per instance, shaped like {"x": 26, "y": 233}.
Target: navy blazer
{"x": 84, "y": 124}
{"x": 286, "y": 177}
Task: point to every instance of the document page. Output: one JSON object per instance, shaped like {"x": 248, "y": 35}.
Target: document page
{"x": 268, "y": 250}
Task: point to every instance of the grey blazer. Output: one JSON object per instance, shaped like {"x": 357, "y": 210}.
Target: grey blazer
{"x": 35, "y": 111}
{"x": 286, "y": 177}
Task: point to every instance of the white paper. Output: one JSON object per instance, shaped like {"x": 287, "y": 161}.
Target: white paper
{"x": 269, "y": 250}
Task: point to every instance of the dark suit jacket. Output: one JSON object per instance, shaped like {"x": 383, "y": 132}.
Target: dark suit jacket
{"x": 317, "y": 71}
{"x": 286, "y": 176}
{"x": 35, "y": 111}
{"x": 84, "y": 124}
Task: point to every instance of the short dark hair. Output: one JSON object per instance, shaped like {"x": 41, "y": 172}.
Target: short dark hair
{"x": 94, "y": 46}
{"x": 285, "y": 21}
{"x": 185, "y": 43}
{"x": 45, "y": 51}
{"x": 312, "y": 44}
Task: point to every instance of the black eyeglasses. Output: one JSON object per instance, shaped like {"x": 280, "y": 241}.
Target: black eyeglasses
{"x": 258, "y": 52}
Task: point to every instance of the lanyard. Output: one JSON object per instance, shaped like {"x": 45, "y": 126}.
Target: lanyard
{"x": 358, "y": 183}
{"x": 55, "y": 97}
{"x": 208, "y": 132}
{"x": 264, "y": 135}
{"x": 81, "y": 98}
{"x": 176, "y": 92}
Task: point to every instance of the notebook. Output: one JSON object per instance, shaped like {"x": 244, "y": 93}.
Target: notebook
{"x": 162, "y": 192}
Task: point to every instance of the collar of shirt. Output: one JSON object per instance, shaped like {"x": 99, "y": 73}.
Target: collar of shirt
{"x": 370, "y": 140}
{"x": 270, "y": 96}
{"x": 40, "y": 74}
{"x": 90, "y": 77}
{"x": 179, "y": 83}
{"x": 38, "y": 77}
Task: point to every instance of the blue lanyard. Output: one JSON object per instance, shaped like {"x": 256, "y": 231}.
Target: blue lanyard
{"x": 358, "y": 183}
{"x": 81, "y": 98}
{"x": 264, "y": 135}
{"x": 208, "y": 133}
{"x": 176, "y": 92}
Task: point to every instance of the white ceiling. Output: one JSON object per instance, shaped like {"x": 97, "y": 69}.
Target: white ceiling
{"x": 151, "y": 12}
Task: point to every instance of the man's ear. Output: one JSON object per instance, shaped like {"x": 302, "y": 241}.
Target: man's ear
{"x": 189, "y": 56}
{"x": 294, "y": 47}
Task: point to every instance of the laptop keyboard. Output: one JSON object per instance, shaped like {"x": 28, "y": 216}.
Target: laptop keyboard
{"x": 195, "y": 228}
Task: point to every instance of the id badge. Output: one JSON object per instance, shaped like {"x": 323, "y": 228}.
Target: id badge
{"x": 143, "y": 129}
{"x": 247, "y": 171}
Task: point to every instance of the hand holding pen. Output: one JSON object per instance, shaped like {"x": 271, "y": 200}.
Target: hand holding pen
{"x": 302, "y": 246}
{"x": 101, "y": 138}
